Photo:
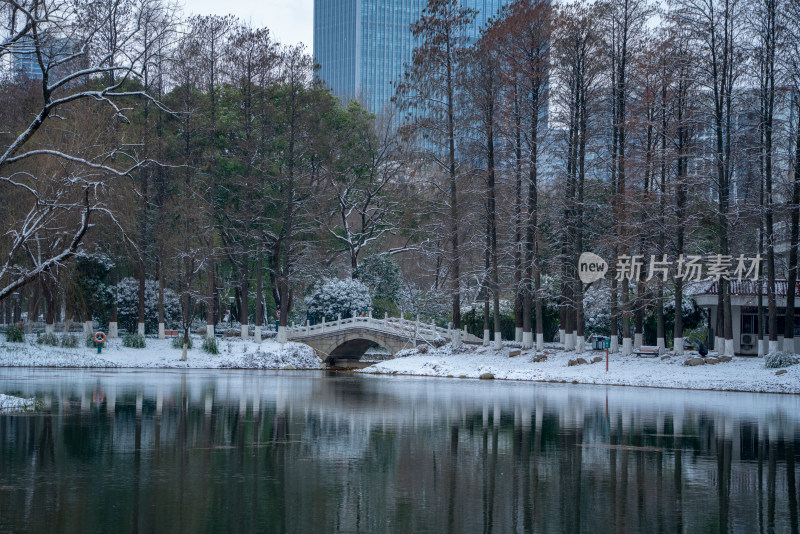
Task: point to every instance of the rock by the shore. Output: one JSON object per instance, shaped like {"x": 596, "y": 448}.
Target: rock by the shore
{"x": 597, "y": 359}
{"x": 691, "y": 362}
{"x": 487, "y": 376}
{"x": 712, "y": 361}
{"x": 781, "y": 372}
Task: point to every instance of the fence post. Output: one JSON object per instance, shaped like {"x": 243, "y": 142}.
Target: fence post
{"x": 338, "y": 320}
{"x": 323, "y": 324}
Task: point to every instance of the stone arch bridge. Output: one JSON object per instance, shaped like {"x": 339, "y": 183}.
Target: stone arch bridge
{"x": 343, "y": 342}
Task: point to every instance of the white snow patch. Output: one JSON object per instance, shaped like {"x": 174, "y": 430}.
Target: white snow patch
{"x": 159, "y": 353}
{"x": 10, "y": 403}
{"x": 740, "y": 374}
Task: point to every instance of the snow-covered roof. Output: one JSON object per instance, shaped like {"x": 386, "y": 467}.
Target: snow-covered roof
{"x": 745, "y": 288}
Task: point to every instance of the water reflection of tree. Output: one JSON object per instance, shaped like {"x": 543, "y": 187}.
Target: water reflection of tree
{"x": 186, "y": 459}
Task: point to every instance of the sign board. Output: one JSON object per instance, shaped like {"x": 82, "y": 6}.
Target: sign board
{"x": 608, "y": 342}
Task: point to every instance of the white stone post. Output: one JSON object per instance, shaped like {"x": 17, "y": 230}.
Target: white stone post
{"x": 161, "y": 334}
{"x": 527, "y": 340}
{"x": 308, "y": 326}
{"x": 210, "y": 331}
{"x": 113, "y": 330}
{"x": 283, "y": 335}
{"x": 257, "y": 334}
{"x": 245, "y": 331}
{"x": 338, "y": 321}
{"x": 140, "y": 329}
{"x": 323, "y": 324}
{"x": 627, "y": 346}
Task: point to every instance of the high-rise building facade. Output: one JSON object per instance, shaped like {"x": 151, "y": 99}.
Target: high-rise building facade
{"x": 362, "y": 45}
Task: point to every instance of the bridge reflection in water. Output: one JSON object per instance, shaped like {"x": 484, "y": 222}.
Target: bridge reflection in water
{"x": 304, "y": 452}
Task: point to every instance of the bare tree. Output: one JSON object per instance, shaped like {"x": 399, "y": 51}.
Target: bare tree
{"x": 74, "y": 80}
{"x": 715, "y": 28}
{"x": 526, "y": 28}
{"x": 431, "y": 91}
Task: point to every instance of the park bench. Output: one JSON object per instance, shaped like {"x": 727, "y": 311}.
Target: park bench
{"x": 646, "y": 351}
{"x": 170, "y": 333}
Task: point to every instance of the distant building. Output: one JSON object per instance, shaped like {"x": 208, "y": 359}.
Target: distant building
{"x": 361, "y": 45}
{"x": 25, "y": 62}
{"x": 744, "y": 311}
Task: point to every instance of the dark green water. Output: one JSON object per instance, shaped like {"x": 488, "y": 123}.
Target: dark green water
{"x": 244, "y": 451}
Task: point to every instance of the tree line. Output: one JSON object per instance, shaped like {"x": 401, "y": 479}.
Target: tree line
{"x": 201, "y": 157}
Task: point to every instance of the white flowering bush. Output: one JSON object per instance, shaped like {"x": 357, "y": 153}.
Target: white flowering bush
{"x": 332, "y": 296}
{"x": 127, "y": 297}
{"x": 775, "y": 360}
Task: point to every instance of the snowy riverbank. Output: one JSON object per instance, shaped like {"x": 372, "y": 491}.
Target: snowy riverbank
{"x": 159, "y": 353}
{"x": 740, "y": 374}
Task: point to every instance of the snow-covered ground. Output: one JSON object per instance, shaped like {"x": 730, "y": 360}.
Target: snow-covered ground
{"x": 233, "y": 353}
{"x": 740, "y": 374}
{"x": 10, "y": 403}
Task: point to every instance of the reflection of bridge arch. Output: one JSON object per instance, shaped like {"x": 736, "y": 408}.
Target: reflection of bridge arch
{"x": 349, "y": 339}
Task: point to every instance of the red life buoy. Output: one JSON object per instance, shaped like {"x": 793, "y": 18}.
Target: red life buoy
{"x": 100, "y": 337}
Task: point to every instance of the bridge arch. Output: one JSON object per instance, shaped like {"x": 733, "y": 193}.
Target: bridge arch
{"x": 351, "y": 344}
{"x": 353, "y": 349}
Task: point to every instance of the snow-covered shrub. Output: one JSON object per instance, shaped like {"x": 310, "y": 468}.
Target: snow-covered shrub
{"x": 69, "y": 342}
{"x": 210, "y": 345}
{"x": 381, "y": 274}
{"x": 333, "y": 296}
{"x": 47, "y": 339}
{"x": 133, "y": 341}
{"x": 14, "y": 334}
{"x": 428, "y": 304}
{"x": 177, "y": 342}
{"x": 126, "y": 294}
{"x": 775, "y": 360}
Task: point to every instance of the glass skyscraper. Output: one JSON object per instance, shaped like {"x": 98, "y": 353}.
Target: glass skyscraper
{"x": 361, "y": 45}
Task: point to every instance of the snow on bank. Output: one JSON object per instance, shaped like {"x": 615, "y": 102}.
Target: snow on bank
{"x": 9, "y": 403}
{"x": 233, "y": 353}
{"x": 741, "y": 374}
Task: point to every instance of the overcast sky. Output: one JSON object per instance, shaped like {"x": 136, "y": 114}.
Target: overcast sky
{"x": 289, "y": 21}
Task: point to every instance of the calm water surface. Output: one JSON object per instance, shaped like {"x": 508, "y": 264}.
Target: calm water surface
{"x": 244, "y": 451}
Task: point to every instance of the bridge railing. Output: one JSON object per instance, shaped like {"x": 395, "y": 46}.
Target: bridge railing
{"x": 390, "y": 325}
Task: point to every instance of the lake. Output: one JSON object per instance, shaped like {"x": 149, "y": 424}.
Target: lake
{"x": 295, "y": 452}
